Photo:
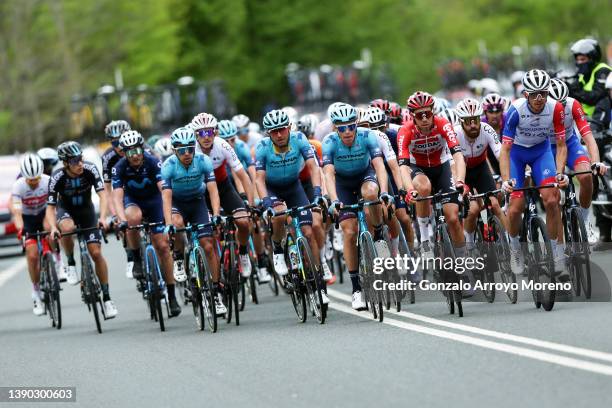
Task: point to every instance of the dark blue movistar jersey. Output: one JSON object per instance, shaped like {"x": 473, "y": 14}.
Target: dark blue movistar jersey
{"x": 138, "y": 182}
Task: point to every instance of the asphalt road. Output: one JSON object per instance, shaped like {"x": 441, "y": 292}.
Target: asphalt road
{"x": 498, "y": 354}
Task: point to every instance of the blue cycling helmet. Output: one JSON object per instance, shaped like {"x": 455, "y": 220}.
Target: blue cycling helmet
{"x": 183, "y": 136}
{"x": 227, "y": 129}
{"x": 116, "y": 128}
{"x": 275, "y": 119}
{"x": 342, "y": 113}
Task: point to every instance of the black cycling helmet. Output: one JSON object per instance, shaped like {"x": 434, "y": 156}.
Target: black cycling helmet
{"x": 68, "y": 150}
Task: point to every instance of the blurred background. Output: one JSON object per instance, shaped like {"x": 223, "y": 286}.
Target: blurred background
{"x": 67, "y": 67}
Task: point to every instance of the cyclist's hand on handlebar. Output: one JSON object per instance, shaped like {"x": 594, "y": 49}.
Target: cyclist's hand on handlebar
{"x": 55, "y": 233}
{"x": 123, "y": 226}
{"x": 462, "y": 188}
{"x": 169, "y": 229}
{"x": 102, "y": 223}
{"x": 334, "y": 207}
{"x": 386, "y": 198}
{"x": 508, "y": 186}
{"x": 269, "y": 212}
{"x": 320, "y": 201}
{"x": 267, "y": 202}
{"x": 562, "y": 179}
{"x": 217, "y": 220}
{"x": 599, "y": 168}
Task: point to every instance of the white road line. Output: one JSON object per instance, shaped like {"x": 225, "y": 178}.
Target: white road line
{"x": 503, "y": 347}
{"x": 599, "y": 355}
{"x": 12, "y": 270}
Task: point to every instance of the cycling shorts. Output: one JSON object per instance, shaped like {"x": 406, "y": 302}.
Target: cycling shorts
{"x": 293, "y": 195}
{"x": 31, "y": 225}
{"x": 230, "y": 200}
{"x": 194, "y": 212}
{"x": 441, "y": 179}
{"x": 83, "y": 217}
{"x": 479, "y": 178}
{"x": 348, "y": 189}
{"x": 152, "y": 210}
{"x": 576, "y": 153}
{"x": 539, "y": 158}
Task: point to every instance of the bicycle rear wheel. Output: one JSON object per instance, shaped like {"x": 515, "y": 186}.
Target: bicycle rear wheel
{"x": 314, "y": 282}
{"x": 579, "y": 254}
{"x": 543, "y": 267}
{"x": 205, "y": 289}
{"x": 367, "y": 253}
{"x": 153, "y": 272}
{"x": 53, "y": 292}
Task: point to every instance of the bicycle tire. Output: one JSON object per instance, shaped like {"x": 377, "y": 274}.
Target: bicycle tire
{"x": 502, "y": 254}
{"x": 233, "y": 281}
{"x": 454, "y": 296}
{"x": 156, "y": 292}
{"x": 580, "y": 253}
{"x": 253, "y": 285}
{"x": 367, "y": 253}
{"x": 55, "y": 308}
{"x": 207, "y": 295}
{"x": 313, "y": 280}
{"x": 296, "y": 294}
{"x": 483, "y": 249}
{"x": 543, "y": 259}
{"x": 90, "y": 289}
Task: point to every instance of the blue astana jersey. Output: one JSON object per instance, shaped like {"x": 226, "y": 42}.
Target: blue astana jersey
{"x": 187, "y": 183}
{"x": 351, "y": 160}
{"x": 283, "y": 168}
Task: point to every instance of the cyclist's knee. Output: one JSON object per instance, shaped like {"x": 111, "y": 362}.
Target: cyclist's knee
{"x": 67, "y": 225}
{"x": 551, "y": 200}
{"x": 207, "y": 245}
{"x": 133, "y": 215}
{"x": 32, "y": 253}
{"x": 349, "y": 229}
{"x": 307, "y": 231}
{"x": 369, "y": 191}
{"x": 95, "y": 251}
{"x": 177, "y": 220}
{"x": 242, "y": 224}
{"x": 160, "y": 244}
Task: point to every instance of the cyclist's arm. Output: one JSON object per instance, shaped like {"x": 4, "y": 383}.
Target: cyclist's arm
{"x": 395, "y": 172}
{"x": 585, "y": 131}
{"x": 504, "y": 161}
{"x": 104, "y": 203}
{"x": 242, "y": 177}
{"x": 315, "y": 173}
{"x": 559, "y": 127}
{"x": 213, "y": 194}
{"x": 459, "y": 165}
{"x": 381, "y": 174}
{"x": 253, "y": 175}
{"x": 330, "y": 181}
{"x": 260, "y": 183}
{"x": 167, "y": 205}
{"x": 50, "y": 216}
{"x": 111, "y": 207}
{"x": 17, "y": 214}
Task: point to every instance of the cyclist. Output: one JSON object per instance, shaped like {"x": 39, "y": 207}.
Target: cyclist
{"x": 111, "y": 156}
{"x": 184, "y": 178}
{"x": 325, "y": 127}
{"x": 163, "y": 147}
{"x": 494, "y": 115}
{"x": 244, "y": 133}
{"x": 279, "y": 160}
{"x": 49, "y": 158}
{"x": 307, "y": 125}
{"x": 440, "y": 105}
{"x": 577, "y": 158}
{"x": 475, "y": 139}
{"x": 222, "y": 155}
{"x": 353, "y": 167}
{"x": 69, "y": 205}
{"x": 228, "y": 132}
{"x": 531, "y": 121}
{"x": 137, "y": 194}
{"x": 426, "y": 147}
{"x": 29, "y": 201}
{"x": 516, "y": 78}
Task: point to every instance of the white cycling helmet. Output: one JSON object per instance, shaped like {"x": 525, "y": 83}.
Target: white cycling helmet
{"x": 376, "y": 116}
{"x": 440, "y": 104}
{"x": 331, "y": 107}
{"x": 307, "y": 124}
{"x": 116, "y": 128}
{"x": 362, "y": 116}
{"x": 31, "y": 166}
{"x": 241, "y": 121}
{"x": 558, "y": 90}
{"x": 451, "y": 116}
{"x": 254, "y": 127}
{"x": 469, "y": 107}
{"x": 131, "y": 138}
{"x": 203, "y": 121}
{"x": 494, "y": 102}
{"x": 292, "y": 113}
{"x": 489, "y": 85}
{"x": 517, "y": 77}
{"x": 163, "y": 147}
{"x": 536, "y": 80}
{"x": 48, "y": 154}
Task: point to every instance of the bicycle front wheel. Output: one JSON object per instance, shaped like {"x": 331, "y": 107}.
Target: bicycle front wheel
{"x": 207, "y": 293}
{"x": 367, "y": 253}
{"x": 53, "y": 292}
{"x": 498, "y": 234}
{"x": 579, "y": 254}
{"x": 155, "y": 295}
{"x": 453, "y": 297}
{"x": 92, "y": 297}
{"x": 543, "y": 267}
{"x": 313, "y": 280}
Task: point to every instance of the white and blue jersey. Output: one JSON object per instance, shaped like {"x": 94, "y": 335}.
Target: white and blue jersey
{"x": 527, "y": 129}
{"x": 187, "y": 183}
{"x": 283, "y": 168}
{"x": 351, "y": 160}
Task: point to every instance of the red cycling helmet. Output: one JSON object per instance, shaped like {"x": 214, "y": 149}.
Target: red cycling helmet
{"x": 419, "y": 100}
{"x": 381, "y": 104}
{"x": 395, "y": 111}
{"x": 406, "y": 118}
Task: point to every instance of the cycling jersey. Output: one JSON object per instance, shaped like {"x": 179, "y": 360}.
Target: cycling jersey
{"x": 221, "y": 154}
{"x": 254, "y": 138}
{"x": 138, "y": 182}
{"x": 244, "y": 153}
{"x": 385, "y": 146}
{"x": 69, "y": 192}
{"x": 324, "y": 128}
{"x": 187, "y": 183}
{"x": 526, "y": 128}
{"x": 354, "y": 159}
{"x": 503, "y": 119}
{"x": 109, "y": 158}
{"x": 475, "y": 150}
{"x": 427, "y": 150}
{"x": 575, "y": 119}
{"x": 31, "y": 201}
{"x": 318, "y": 149}
{"x": 283, "y": 168}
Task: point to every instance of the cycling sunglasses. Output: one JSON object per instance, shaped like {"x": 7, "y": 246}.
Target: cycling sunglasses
{"x": 73, "y": 161}
{"x": 538, "y": 95}
{"x": 278, "y": 130}
{"x": 471, "y": 120}
{"x": 205, "y": 132}
{"x": 231, "y": 140}
{"x": 423, "y": 115}
{"x": 134, "y": 152}
{"x": 344, "y": 128}
{"x": 184, "y": 150}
